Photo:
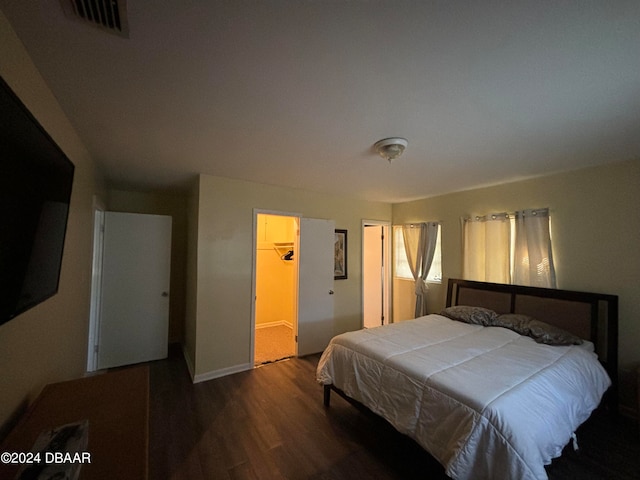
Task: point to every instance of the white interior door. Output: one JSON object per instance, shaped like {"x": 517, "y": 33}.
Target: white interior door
{"x": 373, "y": 276}
{"x": 134, "y": 316}
{"x": 315, "y": 290}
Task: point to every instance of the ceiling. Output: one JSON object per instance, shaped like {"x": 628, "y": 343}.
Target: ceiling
{"x": 296, "y": 92}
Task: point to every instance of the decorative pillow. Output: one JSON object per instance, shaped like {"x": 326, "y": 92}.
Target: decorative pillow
{"x": 473, "y": 315}
{"x": 541, "y": 332}
{"x": 513, "y": 321}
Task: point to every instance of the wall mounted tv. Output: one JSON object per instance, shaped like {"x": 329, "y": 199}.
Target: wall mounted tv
{"x": 35, "y": 189}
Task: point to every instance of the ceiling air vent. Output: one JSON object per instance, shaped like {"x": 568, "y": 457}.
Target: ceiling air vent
{"x": 109, "y": 15}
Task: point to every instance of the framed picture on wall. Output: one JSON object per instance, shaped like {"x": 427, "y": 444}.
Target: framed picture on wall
{"x": 340, "y": 255}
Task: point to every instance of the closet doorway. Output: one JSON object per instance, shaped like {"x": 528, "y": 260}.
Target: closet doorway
{"x": 276, "y": 287}
{"x": 376, "y": 273}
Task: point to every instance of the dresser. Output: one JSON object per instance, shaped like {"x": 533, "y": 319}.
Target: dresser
{"x": 116, "y": 405}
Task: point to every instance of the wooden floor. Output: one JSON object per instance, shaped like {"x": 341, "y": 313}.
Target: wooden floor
{"x": 269, "y": 423}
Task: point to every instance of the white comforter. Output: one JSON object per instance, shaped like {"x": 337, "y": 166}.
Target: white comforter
{"x": 485, "y": 401}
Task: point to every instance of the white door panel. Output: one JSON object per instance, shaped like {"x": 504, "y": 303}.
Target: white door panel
{"x": 135, "y": 290}
{"x": 372, "y": 276}
{"x": 315, "y": 295}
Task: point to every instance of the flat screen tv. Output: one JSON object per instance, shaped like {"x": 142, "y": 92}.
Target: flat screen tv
{"x": 35, "y": 189}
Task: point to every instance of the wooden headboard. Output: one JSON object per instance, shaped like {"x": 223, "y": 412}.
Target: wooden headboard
{"x": 592, "y": 316}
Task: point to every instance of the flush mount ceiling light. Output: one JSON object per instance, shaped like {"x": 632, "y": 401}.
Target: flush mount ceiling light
{"x": 391, "y": 148}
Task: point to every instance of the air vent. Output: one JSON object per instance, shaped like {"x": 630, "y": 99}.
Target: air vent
{"x": 108, "y": 15}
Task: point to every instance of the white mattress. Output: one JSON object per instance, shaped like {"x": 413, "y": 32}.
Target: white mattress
{"x": 485, "y": 401}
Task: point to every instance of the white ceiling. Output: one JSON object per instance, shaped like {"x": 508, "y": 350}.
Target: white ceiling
{"x": 296, "y": 92}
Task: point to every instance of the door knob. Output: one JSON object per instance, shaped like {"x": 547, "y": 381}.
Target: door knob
{"x": 165, "y": 294}
{"x": 330, "y": 292}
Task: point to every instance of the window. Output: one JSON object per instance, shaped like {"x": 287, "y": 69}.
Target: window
{"x": 401, "y": 264}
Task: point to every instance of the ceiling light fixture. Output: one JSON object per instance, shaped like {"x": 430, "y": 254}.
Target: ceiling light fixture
{"x": 391, "y": 148}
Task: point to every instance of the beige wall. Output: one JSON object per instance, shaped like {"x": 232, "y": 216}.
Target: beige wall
{"x": 596, "y": 234}
{"x": 224, "y": 262}
{"x": 49, "y": 342}
{"x": 191, "y": 306}
{"x": 174, "y": 205}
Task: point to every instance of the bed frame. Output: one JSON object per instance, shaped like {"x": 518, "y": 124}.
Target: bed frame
{"x": 591, "y": 316}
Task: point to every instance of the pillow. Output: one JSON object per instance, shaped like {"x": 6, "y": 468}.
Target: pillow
{"x": 472, "y": 315}
{"x": 513, "y": 321}
{"x": 541, "y": 332}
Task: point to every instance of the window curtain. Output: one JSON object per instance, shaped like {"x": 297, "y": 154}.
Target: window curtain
{"x": 420, "y": 246}
{"x": 486, "y": 248}
{"x": 533, "y": 260}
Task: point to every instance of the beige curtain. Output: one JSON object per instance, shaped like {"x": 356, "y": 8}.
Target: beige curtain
{"x": 420, "y": 246}
{"x": 486, "y": 248}
{"x": 533, "y": 259}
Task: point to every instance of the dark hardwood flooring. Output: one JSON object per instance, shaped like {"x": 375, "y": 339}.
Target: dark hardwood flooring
{"x": 270, "y": 423}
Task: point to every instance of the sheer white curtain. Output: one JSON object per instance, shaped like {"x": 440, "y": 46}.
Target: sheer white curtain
{"x": 494, "y": 251}
{"x": 486, "y": 248}
{"x": 533, "y": 259}
{"x": 420, "y": 246}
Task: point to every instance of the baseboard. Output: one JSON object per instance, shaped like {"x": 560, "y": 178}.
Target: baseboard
{"x": 203, "y": 377}
{"x": 189, "y": 363}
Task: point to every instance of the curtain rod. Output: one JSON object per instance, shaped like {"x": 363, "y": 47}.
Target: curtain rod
{"x": 411, "y": 224}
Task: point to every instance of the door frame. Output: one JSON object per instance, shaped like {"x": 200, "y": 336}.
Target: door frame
{"x": 386, "y": 259}
{"x": 96, "y": 284}
{"x": 256, "y": 212}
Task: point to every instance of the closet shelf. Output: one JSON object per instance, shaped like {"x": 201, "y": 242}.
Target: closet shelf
{"x": 283, "y": 248}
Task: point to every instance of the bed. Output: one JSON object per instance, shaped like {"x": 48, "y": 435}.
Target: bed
{"x": 483, "y": 399}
